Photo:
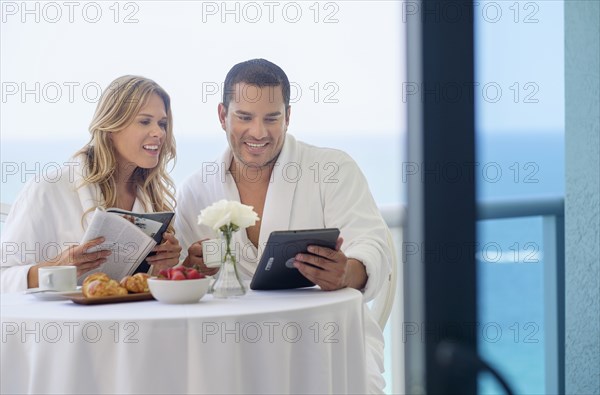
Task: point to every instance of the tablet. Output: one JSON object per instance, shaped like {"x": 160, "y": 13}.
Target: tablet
{"x": 276, "y": 267}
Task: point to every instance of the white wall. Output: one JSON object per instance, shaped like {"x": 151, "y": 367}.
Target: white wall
{"x": 582, "y": 198}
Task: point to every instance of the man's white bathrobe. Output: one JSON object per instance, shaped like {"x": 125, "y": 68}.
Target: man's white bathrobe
{"x": 46, "y": 218}
{"x": 310, "y": 188}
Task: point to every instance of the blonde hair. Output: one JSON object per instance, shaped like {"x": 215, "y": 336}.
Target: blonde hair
{"x": 119, "y": 105}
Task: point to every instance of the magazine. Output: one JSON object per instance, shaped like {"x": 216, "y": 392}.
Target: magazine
{"x": 130, "y": 236}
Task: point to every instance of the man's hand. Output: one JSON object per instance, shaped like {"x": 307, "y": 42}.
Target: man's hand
{"x": 195, "y": 259}
{"x": 331, "y": 269}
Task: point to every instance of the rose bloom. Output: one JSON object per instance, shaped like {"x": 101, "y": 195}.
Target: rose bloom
{"x": 223, "y": 213}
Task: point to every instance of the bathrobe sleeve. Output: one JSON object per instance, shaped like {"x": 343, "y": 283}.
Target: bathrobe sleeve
{"x": 349, "y": 206}
{"x": 45, "y": 218}
{"x": 49, "y": 215}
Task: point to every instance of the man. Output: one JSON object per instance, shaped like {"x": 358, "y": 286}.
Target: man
{"x": 291, "y": 185}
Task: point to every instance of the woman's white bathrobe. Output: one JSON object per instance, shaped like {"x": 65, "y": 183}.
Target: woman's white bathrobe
{"x": 310, "y": 188}
{"x": 46, "y": 218}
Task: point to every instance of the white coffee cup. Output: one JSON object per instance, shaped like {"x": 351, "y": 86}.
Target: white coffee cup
{"x": 211, "y": 252}
{"x": 57, "y": 278}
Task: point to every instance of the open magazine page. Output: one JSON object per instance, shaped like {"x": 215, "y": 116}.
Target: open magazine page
{"x": 128, "y": 243}
{"x": 149, "y": 227}
{"x": 153, "y": 224}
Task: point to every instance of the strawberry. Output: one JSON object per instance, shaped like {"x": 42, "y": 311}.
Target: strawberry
{"x": 193, "y": 274}
{"x": 180, "y": 273}
{"x": 177, "y": 275}
{"x": 164, "y": 274}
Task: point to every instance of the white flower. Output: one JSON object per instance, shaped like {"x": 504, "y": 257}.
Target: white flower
{"x": 241, "y": 215}
{"x": 224, "y": 213}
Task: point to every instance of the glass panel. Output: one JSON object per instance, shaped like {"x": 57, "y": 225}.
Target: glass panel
{"x": 510, "y": 302}
{"x": 519, "y": 95}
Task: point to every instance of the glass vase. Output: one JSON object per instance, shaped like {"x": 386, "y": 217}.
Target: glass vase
{"x": 228, "y": 283}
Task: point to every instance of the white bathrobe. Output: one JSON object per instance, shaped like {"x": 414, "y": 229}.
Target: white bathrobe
{"x": 310, "y": 188}
{"x": 46, "y": 218}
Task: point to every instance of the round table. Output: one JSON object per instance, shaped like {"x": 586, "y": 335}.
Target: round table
{"x": 295, "y": 341}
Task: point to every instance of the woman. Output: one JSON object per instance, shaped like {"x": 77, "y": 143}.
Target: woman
{"x": 123, "y": 165}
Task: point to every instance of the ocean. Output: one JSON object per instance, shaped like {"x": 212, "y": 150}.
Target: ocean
{"x": 510, "y": 274}
{"x": 510, "y": 260}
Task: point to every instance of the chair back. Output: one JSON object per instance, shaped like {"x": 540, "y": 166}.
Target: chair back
{"x": 4, "y": 210}
{"x": 383, "y": 302}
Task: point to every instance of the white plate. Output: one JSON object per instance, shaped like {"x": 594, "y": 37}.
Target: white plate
{"x": 48, "y": 294}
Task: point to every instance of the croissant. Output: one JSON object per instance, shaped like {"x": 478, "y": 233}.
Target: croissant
{"x": 99, "y": 284}
{"x": 95, "y": 276}
{"x": 137, "y": 283}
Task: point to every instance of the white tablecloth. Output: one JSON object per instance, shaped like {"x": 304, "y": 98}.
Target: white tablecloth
{"x": 300, "y": 341}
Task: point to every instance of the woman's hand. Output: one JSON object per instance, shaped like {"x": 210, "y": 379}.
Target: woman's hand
{"x": 79, "y": 257}
{"x": 167, "y": 253}
{"x": 75, "y": 255}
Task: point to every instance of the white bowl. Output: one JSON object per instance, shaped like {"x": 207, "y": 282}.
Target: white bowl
{"x": 178, "y": 291}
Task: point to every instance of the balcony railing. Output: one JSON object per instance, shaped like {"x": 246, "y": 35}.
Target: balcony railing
{"x": 551, "y": 209}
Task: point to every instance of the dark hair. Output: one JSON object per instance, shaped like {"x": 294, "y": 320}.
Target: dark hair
{"x": 259, "y": 72}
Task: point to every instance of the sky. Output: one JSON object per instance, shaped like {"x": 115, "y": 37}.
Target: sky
{"x": 519, "y": 68}
{"x": 344, "y": 60}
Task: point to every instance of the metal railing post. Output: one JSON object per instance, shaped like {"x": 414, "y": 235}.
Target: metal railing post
{"x": 554, "y": 298}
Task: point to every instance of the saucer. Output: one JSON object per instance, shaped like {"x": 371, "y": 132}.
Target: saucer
{"x": 48, "y": 294}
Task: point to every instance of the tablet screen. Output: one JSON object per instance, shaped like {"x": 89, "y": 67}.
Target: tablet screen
{"x": 276, "y": 270}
